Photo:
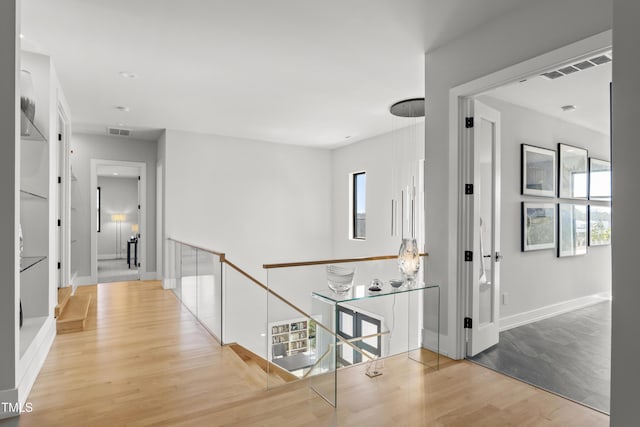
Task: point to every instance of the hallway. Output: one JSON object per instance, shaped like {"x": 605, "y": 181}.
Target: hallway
{"x": 145, "y": 360}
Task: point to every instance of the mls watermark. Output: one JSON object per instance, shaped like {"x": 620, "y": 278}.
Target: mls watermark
{"x": 15, "y": 408}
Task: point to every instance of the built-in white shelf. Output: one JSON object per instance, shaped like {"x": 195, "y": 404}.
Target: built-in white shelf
{"x": 26, "y": 262}
{"x": 32, "y": 132}
{"x": 30, "y": 328}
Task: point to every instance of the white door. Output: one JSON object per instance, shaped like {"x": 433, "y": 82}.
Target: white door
{"x": 484, "y": 228}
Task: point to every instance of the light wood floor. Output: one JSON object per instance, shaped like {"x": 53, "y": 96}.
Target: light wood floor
{"x": 144, "y": 360}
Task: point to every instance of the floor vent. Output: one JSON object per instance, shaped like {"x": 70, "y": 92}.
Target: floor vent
{"x": 574, "y": 68}
{"x": 119, "y": 132}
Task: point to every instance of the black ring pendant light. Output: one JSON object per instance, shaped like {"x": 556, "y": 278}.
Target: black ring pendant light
{"x": 413, "y": 107}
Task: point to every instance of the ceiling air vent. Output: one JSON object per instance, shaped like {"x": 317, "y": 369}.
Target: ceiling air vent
{"x": 119, "y": 132}
{"x": 583, "y": 65}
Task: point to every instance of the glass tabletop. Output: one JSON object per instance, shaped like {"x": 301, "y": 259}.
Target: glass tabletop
{"x": 359, "y": 292}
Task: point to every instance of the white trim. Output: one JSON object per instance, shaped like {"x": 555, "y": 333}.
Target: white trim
{"x": 142, "y": 196}
{"x": 541, "y": 313}
{"x": 29, "y": 367}
{"x": 169, "y": 283}
{"x": 574, "y": 51}
{"x": 34, "y": 359}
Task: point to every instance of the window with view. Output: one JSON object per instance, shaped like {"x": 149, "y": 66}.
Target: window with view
{"x": 359, "y": 212}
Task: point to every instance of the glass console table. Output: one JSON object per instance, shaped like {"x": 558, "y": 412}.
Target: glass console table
{"x": 372, "y": 325}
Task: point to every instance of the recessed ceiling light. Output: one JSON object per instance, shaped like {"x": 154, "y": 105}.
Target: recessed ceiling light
{"x": 115, "y": 173}
{"x": 567, "y": 108}
{"x": 128, "y": 75}
{"x": 21, "y": 35}
{"x": 123, "y": 108}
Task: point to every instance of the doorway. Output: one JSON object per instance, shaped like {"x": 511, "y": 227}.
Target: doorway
{"x": 553, "y": 308}
{"x": 118, "y": 220}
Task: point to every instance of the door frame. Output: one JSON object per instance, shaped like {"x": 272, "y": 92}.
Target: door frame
{"x": 142, "y": 197}
{"x": 458, "y": 95}
{"x": 63, "y": 246}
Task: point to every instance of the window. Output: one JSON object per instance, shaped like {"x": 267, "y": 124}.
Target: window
{"x": 359, "y": 209}
{"x": 99, "y": 202}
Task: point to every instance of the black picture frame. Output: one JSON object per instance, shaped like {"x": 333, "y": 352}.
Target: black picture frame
{"x": 538, "y": 226}
{"x": 572, "y": 229}
{"x": 599, "y": 179}
{"x": 538, "y": 171}
{"x": 599, "y": 225}
{"x": 573, "y": 173}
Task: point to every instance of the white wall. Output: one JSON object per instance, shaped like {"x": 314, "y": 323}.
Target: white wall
{"x": 118, "y": 196}
{"x": 527, "y": 32}
{"x": 538, "y": 279}
{"x": 85, "y": 147}
{"x": 258, "y": 202}
{"x": 390, "y": 160}
{"x": 625, "y": 150}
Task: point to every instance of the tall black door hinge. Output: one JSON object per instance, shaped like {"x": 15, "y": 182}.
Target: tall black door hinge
{"x": 468, "y": 189}
{"x": 58, "y": 266}
{"x": 138, "y": 206}
{"x": 59, "y": 180}
{"x": 468, "y": 122}
{"x": 468, "y": 256}
{"x": 467, "y": 323}
{"x": 138, "y": 177}
{"x": 59, "y": 137}
{"x": 59, "y": 223}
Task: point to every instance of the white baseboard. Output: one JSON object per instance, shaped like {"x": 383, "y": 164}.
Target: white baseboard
{"x": 520, "y": 319}
{"x": 33, "y": 360}
{"x": 104, "y": 257}
{"x": 169, "y": 283}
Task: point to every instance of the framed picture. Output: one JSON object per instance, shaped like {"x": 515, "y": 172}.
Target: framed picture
{"x": 572, "y": 229}
{"x": 572, "y": 173}
{"x": 599, "y": 225}
{"x": 538, "y": 226}
{"x": 538, "y": 166}
{"x": 599, "y": 179}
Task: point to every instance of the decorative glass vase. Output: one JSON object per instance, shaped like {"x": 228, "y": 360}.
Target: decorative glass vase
{"x": 27, "y": 102}
{"x": 409, "y": 259}
{"x": 340, "y": 279}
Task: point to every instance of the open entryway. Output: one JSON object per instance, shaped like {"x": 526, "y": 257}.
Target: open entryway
{"x": 536, "y": 169}
{"x": 119, "y": 221}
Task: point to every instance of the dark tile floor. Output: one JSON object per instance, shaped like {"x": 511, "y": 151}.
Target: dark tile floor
{"x": 569, "y": 355}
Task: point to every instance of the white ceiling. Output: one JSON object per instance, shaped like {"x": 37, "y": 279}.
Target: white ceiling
{"x": 292, "y": 71}
{"x": 588, "y": 90}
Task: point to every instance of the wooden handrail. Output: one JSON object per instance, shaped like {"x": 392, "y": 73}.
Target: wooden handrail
{"x": 333, "y": 261}
{"x": 220, "y": 255}
{"x": 224, "y": 259}
{"x": 293, "y": 306}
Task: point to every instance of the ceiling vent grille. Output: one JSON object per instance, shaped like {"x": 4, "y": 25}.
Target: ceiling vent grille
{"x": 119, "y": 132}
{"x": 583, "y": 65}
